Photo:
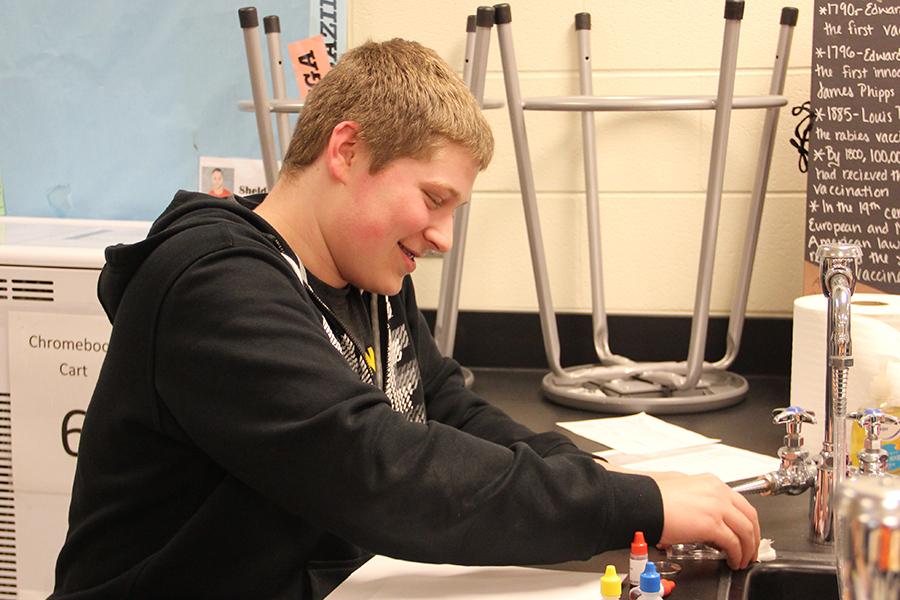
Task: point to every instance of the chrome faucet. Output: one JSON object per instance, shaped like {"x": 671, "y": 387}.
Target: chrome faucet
{"x": 838, "y": 266}
{"x": 838, "y": 271}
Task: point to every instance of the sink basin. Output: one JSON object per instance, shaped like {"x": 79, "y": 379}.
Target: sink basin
{"x": 790, "y": 580}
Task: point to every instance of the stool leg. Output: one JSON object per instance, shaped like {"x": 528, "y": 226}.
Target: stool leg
{"x": 250, "y": 26}
{"x": 474, "y": 71}
{"x": 272, "y": 28}
{"x": 758, "y": 197}
{"x": 529, "y": 197}
{"x": 724, "y": 100}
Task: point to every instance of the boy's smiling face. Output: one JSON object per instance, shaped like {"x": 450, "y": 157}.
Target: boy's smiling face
{"x": 393, "y": 217}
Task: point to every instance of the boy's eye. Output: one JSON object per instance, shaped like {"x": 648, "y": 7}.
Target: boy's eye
{"x": 435, "y": 201}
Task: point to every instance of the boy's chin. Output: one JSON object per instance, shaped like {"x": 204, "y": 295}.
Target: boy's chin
{"x": 385, "y": 287}
{"x": 390, "y": 290}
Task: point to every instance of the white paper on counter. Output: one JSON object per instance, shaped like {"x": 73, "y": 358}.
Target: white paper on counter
{"x": 725, "y": 462}
{"x": 385, "y": 578}
{"x": 637, "y": 434}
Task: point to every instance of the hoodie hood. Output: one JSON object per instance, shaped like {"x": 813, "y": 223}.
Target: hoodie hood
{"x": 187, "y": 210}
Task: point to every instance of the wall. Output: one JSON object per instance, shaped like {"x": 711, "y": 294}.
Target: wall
{"x": 108, "y": 105}
{"x": 652, "y": 166}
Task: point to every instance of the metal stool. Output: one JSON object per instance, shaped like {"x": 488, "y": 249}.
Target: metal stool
{"x": 619, "y": 384}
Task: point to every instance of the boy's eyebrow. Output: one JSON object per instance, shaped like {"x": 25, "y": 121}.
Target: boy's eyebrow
{"x": 449, "y": 191}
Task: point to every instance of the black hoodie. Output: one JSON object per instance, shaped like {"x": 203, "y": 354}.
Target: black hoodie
{"x": 231, "y": 451}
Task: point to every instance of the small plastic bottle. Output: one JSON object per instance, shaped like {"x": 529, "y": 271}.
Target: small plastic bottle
{"x": 667, "y": 586}
{"x": 638, "y": 559}
{"x": 651, "y": 587}
{"x": 610, "y": 584}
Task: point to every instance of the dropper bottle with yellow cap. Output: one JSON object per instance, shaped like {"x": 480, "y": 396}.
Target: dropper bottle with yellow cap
{"x": 610, "y": 584}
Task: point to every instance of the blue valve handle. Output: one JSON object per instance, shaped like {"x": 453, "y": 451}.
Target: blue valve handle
{"x": 793, "y": 417}
{"x": 872, "y": 420}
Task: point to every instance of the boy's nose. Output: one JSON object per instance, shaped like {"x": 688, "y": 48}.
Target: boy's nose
{"x": 440, "y": 233}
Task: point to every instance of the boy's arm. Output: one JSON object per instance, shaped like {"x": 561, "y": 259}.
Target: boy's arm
{"x": 249, "y": 379}
{"x": 448, "y": 401}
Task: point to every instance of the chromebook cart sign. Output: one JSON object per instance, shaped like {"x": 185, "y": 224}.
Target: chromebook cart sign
{"x": 54, "y": 361}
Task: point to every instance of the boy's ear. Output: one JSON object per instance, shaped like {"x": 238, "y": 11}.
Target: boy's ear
{"x": 343, "y": 149}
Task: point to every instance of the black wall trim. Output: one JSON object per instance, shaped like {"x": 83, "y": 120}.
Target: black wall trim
{"x": 501, "y": 339}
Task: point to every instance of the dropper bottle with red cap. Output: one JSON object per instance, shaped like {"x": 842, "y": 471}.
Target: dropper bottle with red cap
{"x": 638, "y": 558}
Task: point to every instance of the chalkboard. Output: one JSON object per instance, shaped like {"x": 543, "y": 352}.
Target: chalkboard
{"x": 853, "y": 192}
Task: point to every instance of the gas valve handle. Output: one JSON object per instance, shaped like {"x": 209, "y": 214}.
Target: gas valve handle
{"x": 793, "y": 417}
{"x": 872, "y": 420}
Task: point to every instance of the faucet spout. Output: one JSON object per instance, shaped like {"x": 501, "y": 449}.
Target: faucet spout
{"x": 838, "y": 269}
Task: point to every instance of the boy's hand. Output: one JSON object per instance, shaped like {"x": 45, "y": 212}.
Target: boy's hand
{"x": 700, "y": 508}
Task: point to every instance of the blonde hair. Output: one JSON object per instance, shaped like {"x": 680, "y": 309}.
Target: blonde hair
{"x": 406, "y": 100}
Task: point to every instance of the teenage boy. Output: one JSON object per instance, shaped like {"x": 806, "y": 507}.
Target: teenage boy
{"x": 273, "y": 408}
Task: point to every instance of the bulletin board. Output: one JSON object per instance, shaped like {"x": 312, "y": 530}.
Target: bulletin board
{"x": 107, "y": 106}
